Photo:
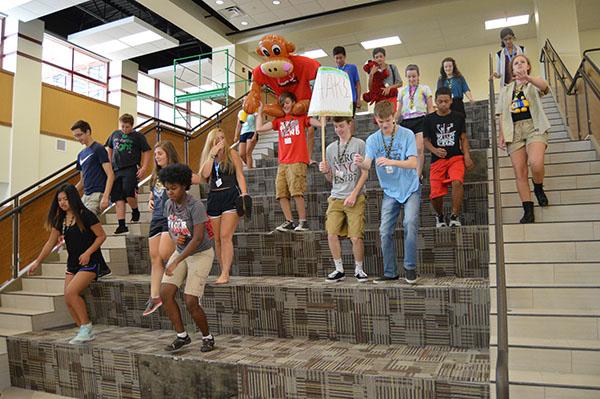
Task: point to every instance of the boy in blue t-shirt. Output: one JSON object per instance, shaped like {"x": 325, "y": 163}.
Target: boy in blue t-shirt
{"x": 339, "y": 55}
{"x": 95, "y": 169}
{"x": 394, "y": 150}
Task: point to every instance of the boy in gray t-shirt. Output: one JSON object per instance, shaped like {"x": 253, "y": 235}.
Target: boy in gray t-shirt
{"x": 190, "y": 228}
{"x": 346, "y": 209}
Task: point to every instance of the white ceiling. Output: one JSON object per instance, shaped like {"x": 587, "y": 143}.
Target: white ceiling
{"x": 27, "y": 10}
{"x": 108, "y": 39}
{"x": 263, "y": 12}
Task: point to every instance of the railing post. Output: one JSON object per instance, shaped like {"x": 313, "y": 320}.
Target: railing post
{"x": 15, "y": 238}
{"x": 587, "y": 108}
{"x": 158, "y": 129}
{"x": 502, "y": 382}
{"x": 186, "y": 149}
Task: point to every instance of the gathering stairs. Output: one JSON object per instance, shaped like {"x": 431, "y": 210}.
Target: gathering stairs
{"x": 281, "y": 331}
{"x": 553, "y": 274}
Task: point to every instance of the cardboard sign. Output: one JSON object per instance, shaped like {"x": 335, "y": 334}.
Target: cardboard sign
{"x": 332, "y": 93}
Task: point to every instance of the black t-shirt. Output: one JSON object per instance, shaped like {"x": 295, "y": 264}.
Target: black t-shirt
{"x": 127, "y": 149}
{"x": 78, "y": 241}
{"x": 519, "y": 107}
{"x": 444, "y": 132}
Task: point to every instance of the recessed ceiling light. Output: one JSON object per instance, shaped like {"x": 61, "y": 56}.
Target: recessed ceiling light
{"x": 219, "y": 2}
{"x": 318, "y": 53}
{"x": 244, "y": 23}
{"x": 276, "y": 2}
{"x": 504, "y": 22}
{"x": 140, "y": 38}
{"x": 383, "y": 42}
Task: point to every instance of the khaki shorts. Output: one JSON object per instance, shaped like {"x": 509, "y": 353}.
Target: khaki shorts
{"x": 92, "y": 202}
{"x": 291, "y": 180}
{"x": 193, "y": 270}
{"x": 346, "y": 221}
{"x": 524, "y": 134}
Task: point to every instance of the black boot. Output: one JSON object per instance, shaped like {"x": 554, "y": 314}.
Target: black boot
{"x": 528, "y": 216}
{"x": 538, "y": 189}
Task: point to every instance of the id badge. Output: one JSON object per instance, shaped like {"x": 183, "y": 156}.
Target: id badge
{"x": 218, "y": 182}
{"x": 339, "y": 174}
{"x": 389, "y": 170}
{"x": 287, "y": 140}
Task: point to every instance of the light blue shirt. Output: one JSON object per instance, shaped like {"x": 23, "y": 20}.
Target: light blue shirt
{"x": 250, "y": 125}
{"x": 402, "y": 182}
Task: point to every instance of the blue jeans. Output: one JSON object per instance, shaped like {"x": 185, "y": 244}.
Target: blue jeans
{"x": 390, "y": 210}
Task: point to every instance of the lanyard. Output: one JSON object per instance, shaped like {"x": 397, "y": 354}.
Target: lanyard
{"x": 411, "y": 96}
{"x": 387, "y": 149}
{"x": 512, "y": 55}
{"x": 216, "y": 168}
{"x": 344, "y": 152}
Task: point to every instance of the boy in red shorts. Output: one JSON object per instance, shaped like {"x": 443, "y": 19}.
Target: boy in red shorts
{"x": 446, "y": 138}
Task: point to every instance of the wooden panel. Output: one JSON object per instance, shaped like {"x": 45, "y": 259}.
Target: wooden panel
{"x": 177, "y": 140}
{"x": 6, "y": 94}
{"x": 61, "y": 108}
{"x": 5, "y": 248}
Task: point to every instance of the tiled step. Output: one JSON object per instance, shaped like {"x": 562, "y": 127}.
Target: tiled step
{"x": 33, "y": 320}
{"x": 461, "y": 252}
{"x": 245, "y": 367}
{"x": 20, "y": 393}
{"x": 545, "y": 360}
{"x": 565, "y": 252}
{"x": 555, "y": 197}
{"x": 550, "y": 297}
{"x": 549, "y": 274}
{"x": 442, "y": 311}
{"x": 549, "y": 232}
{"x": 553, "y": 213}
{"x": 552, "y": 324}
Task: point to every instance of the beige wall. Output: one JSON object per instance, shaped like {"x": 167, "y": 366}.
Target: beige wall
{"x": 589, "y": 39}
{"x": 4, "y": 154}
{"x": 51, "y": 159}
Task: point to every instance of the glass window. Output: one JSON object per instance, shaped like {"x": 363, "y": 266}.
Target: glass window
{"x": 89, "y": 66}
{"x": 57, "y": 53}
{"x": 145, "y": 84}
{"x": 165, "y": 93}
{"x": 165, "y": 113}
{"x": 145, "y": 105}
{"x": 56, "y": 76}
{"x": 89, "y": 88}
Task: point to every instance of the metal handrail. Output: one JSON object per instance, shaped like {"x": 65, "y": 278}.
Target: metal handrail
{"x": 502, "y": 382}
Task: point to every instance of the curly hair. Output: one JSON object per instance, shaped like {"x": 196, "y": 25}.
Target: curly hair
{"x": 176, "y": 173}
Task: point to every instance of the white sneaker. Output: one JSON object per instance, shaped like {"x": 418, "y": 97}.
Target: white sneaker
{"x": 335, "y": 276}
{"x": 454, "y": 221}
{"x": 361, "y": 276}
{"x": 440, "y": 221}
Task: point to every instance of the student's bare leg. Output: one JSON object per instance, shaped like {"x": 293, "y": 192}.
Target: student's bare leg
{"x": 299, "y": 200}
{"x": 519, "y": 163}
{"x": 358, "y": 249}
{"x": 120, "y": 208}
{"x": 157, "y": 264}
{"x": 167, "y": 293}
{"x": 74, "y": 316}
{"x": 286, "y": 208}
{"x": 438, "y": 205}
{"x": 458, "y": 192}
{"x": 73, "y": 297}
{"x": 229, "y": 222}
{"x": 334, "y": 246}
{"x": 197, "y": 313}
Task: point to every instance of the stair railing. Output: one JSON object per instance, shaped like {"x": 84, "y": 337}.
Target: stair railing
{"x": 578, "y": 96}
{"x": 502, "y": 382}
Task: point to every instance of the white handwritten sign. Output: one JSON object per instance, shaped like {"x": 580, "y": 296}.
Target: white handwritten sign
{"x": 332, "y": 93}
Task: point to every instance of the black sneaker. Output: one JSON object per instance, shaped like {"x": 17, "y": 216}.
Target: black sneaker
{"x": 135, "y": 217}
{"x": 361, "y": 276}
{"x": 410, "y": 276}
{"x": 287, "y": 226}
{"x": 208, "y": 344}
{"x": 335, "y": 276}
{"x": 454, "y": 221}
{"x": 122, "y": 230}
{"x": 178, "y": 344}
{"x": 440, "y": 221}
{"x": 385, "y": 279}
{"x": 302, "y": 226}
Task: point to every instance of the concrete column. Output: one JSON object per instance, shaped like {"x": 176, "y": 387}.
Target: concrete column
{"x": 557, "y": 20}
{"x": 122, "y": 86}
{"x": 26, "y": 38}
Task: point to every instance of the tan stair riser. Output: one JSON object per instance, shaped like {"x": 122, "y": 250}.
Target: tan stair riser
{"x": 549, "y": 252}
{"x": 551, "y": 327}
{"x": 16, "y": 322}
{"x": 54, "y": 269}
{"x": 541, "y": 392}
{"x": 35, "y": 302}
{"x": 558, "y": 213}
{"x": 555, "y": 197}
{"x": 550, "y": 298}
{"x": 552, "y": 360}
{"x": 553, "y": 159}
{"x": 567, "y": 146}
{"x": 548, "y": 232}
{"x": 554, "y": 183}
{"x": 43, "y": 285}
{"x": 566, "y": 169}
{"x": 549, "y": 274}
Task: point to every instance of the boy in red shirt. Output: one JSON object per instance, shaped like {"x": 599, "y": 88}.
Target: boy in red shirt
{"x": 293, "y": 159}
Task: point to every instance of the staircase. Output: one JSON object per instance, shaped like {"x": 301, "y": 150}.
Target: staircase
{"x": 281, "y": 330}
{"x": 553, "y": 274}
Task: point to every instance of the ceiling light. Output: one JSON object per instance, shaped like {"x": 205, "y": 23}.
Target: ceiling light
{"x": 219, "y": 2}
{"x": 140, "y": 38}
{"x": 110, "y": 46}
{"x": 318, "y": 53}
{"x": 276, "y": 2}
{"x": 244, "y": 23}
{"x": 504, "y": 22}
{"x": 383, "y": 42}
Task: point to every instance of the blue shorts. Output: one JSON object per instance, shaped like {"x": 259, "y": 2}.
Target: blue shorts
{"x": 246, "y": 136}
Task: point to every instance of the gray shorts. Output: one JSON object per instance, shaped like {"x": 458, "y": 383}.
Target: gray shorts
{"x": 92, "y": 202}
